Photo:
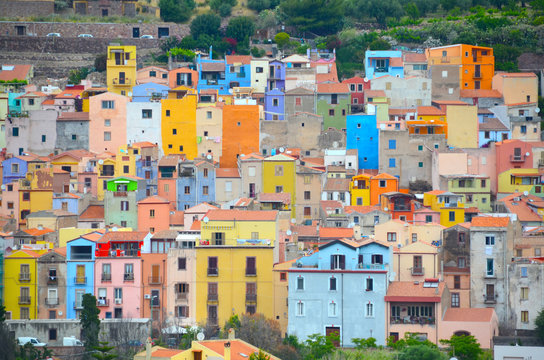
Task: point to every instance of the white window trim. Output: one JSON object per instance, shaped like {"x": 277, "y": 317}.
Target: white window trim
{"x": 367, "y": 315}
{"x": 303, "y": 283}
{"x": 303, "y": 308}
{"x": 329, "y": 307}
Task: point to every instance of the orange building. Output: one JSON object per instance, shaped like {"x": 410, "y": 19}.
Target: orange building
{"x": 240, "y": 133}
{"x": 182, "y": 76}
{"x": 153, "y": 214}
{"x": 381, "y": 184}
{"x": 476, "y": 64}
{"x": 154, "y": 286}
{"x": 168, "y": 173}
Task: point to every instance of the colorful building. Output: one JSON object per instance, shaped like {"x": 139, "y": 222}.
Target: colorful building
{"x": 362, "y": 134}
{"x": 380, "y": 63}
{"x": 451, "y": 206}
{"x": 240, "y": 133}
{"x": 80, "y": 258}
{"x": 108, "y": 122}
{"x": 179, "y": 122}
{"x": 334, "y": 104}
{"x": 153, "y": 214}
{"x": 279, "y": 176}
{"x": 121, "y": 69}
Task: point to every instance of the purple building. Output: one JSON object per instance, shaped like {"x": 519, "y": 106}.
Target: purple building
{"x": 274, "y": 105}
{"x": 276, "y": 75}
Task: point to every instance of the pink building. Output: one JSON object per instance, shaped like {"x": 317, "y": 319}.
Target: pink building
{"x": 153, "y": 214}
{"x": 426, "y": 215}
{"x": 108, "y": 122}
{"x": 10, "y": 200}
{"x": 516, "y": 154}
{"x": 154, "y": 74}
{"x": 118, "y": 274}
{"x": 357, "y": 87}
{"x": 483, "y": 323}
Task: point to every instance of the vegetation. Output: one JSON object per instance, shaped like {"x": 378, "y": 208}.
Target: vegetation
{"x": 76, "y": 75}
{"x": 102, "y": 352}
{"x": 177, "y": 11}
{"x": 464, "y": 347}
{"x": 539, "y": 323}
{"x": 90, "y": 323}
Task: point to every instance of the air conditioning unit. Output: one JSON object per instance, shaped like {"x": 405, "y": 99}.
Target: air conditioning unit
{"x": 118, "y": 301}
{"x": 147, "y": 296}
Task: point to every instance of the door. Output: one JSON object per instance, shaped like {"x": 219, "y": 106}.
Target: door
{"x": 121, "y": 78}
{"x": 52, "y": 297}
{"x": 395, "y": 336}
{"x": 80, "y": 274}
{"x": 252, "y": 190}
{"x": 330, "y": 330}
{"x": 490, "y": 292}
{"x": 136, "y": 32}
{"x": 155, "y": 274}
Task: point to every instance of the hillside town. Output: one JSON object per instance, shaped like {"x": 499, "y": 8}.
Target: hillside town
{"x": 405, "y": 201}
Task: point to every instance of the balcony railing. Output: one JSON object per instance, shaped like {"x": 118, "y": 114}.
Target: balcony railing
{"x": 106, "y": 173}
{"x": 106, "y": 277}
{"x": 24, "y": 299}
{"x": 477, "y": 75}
{"x": 51, "y": 301}
{"x": 80, "y": 280}
{"x": 125, "y": 81}
{"x": 418, "y": 271}
{"x": 213, "y": 271}
{"x": 518, "y": 158}
{"x": 120, "y": 193}
{"x": 181, "y": 296}
{"x": 421, "y": 320}
{"x": 52, "y": 280}
{"x": 251, "y": 272}
{"x": 401, "y": 208}
{"x": 371, "y": 266}
{"x": 155, "y": 280}
{"x": 24, "y": 276}
{"x": 213, "y": 297}
{"x": 128, "y": 277}
{"x": 490, "y": 299}
{"x": 103, "y": 302}
{"x": 251, "y": 297}
{"x": 451, "y": 204}
{"x": 119, "y": 301}
{"x": 212, "y": 321}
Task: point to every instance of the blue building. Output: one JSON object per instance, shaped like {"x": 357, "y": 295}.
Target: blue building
{"x": 14, "y": 168}
{"x": 491, "y": 129}
{"x": 276, "y": 75}
{"x": 147, "y": 168}
{"x": 238, "y": 70}
{"x": 80, "y": 255}
{"x": 195, "y": 183}
{"x": 341, "y": 289}
{"x": 362, "y": 134}
{"x": 148, "y": 91}
{"x": 211, "y": 74}
{"x": 274, "y": 105}
{"x": 383, "y": 62}
{"x": 14, "y": 104}
{"x": 67, "y": 202}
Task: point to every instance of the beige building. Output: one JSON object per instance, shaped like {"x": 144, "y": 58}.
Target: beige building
{"x": 209, "y": 122}
{"x": 181, "y": 287}
{"x": 402, "y": 233}
{"x": 301, "y": 129}
{"x": 281, "y": 291}
{"x": 517, "y": 87}
{"x": 228, "y": 185}
{"x": 406, "y": 92}
{"x": 52, "y": 284}
{"x": 154, "y": 74}
{"x": 462, "y": 125}
{"x": 416, "y": 261}
{"x": 259, "y": 74}
{"x": 308, "y": 193}
{"x": 250, "y": 167}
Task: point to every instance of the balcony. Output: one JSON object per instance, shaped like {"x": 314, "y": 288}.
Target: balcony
{"x": 401, "y": 208}
{"x": 213, "y": 271}
{"x": 381, "y": 69}
{"x": 52, "y": 280}
{"x": 251, "y": 298}
{"x": 213, "y": 297}
{"x": 490, "y": 299}
{"x": 106, "y": 277}
{"x": 453, "y": 204}
{"x": 128, "y": 277}
{"x": 518, "y": 158}
{"x": 371, "y": 266}
{"x": 24, "y": 276}
{"x": 119, "y": 301}
{"x": 120, "y": 194}
{"x": 155, "y": 280}
{"x": 421, "y": 320}
{"x": 181, "y": 296}
{"x": 212, "y": 321}
{"x": 103, "y": 302}
{"x": 107, "y": 173}
{"x": 80, "y": 280}
{"x": 51, "y": 301}
{"x": 418, "y": 271}
{"x": 125, "y": 81}
{"x": 78, "y": 305}
{"x": 24, "y": 300}
{"x": 251, "y": 272}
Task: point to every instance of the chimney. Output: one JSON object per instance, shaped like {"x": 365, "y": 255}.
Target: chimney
{"x": 148, "y": 349}
{"x": 227, "y": 350}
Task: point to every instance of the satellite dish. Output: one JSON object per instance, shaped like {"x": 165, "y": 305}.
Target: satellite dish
{"x": 537, "y": 110}
{"x": 288, "y": 232}
{"x": 293, "y": 221}
{"x": 3, "y": 187}
{"x": 282, "y": 149}
{"x": 399, "y": 245}
{"x": 220, "y": 99}
{"x": 206, "y": 219}
{"x": 385, "y": 209}
{"x": 200, "y": 336}
{"x": 335, "y": 144}
{"x": 525, "y": 193}
{"x": 527, "y": 154}
{"x": 209, "y": 157}
{"x": 365, "y": 79}
{"x": 230, "y": 91}
{"x": 100, "y": 161}
{"x": 242, "y": 155}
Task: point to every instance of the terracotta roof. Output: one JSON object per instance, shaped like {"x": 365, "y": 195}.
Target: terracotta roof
{"x": 429, "y": 110}
{"x": 76, "y": 154}
{"x": 335, "y": 233}
{"x": 239, "y": 350}
{"x": 492, "y": 124}
{"x": 480, "y": 93}
{"x": 435, "y": 192}
{"x": 177, "y": 218}
{"x": 196, "y": 225}
{"x": 143, "y": 144}
{"x": 215, "y": 66}
{"x": 252, "y": 156}
{"x": 154, "y": 200}
{"x": 408, "y": 291}
{"x": 208, "y": 92}
{"x": 361, "y": 209}
{"x": 490, "y": 221}
{"x": 241, "y": 215}
{"x": 227, "y": 173}
{"x": 374, "y": 93}
{"x": 521, "y": 208}
{"x": 123, "y": 236}
{"x": 93, "y": 212}
{"x": 332, "y": 88}
{"x": 469, "y": 314}
{"x": 330, "y": 204}
{"x": 472, "y": 210}
{"x": 66, "y": 195}
{"x": 425, "y": 210}
{"x": 449, "y": 102}
{"x": 48, "y": 102}
{"x": 415, "y": 57}
{"x": 34, "y": 254}
{"x": 73, "y": 116}
{"x": 38, "y": 232}
{"x": 170, "y": 160}
{"x": 60, "y": 250}
{"x": 400, "y": 111}
{"x": 19, "y": 72}
{"x": 305, "y": 230}
{"x": 165, "y": 353}
{"x": 282, "y": 197}
{"x": 241, "y": 202}
{"x": 484, "y": 111}
{"x": 384, "y": 176}
{"x": 243, "y": 59}
{"x": 32, "y": 94}
{"x": 334, "y": 184}
{"x": 514, "y": 75}
{"x": 93, "y": 236}
{"x": 165, "y": 234}
{"x": 69, "y": 94}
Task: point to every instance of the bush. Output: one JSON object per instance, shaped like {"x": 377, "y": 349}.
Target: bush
{"x": 100, "y": 62}
{"x": 379, "y": 44}
{"x": 177, "y": 11}
{"x": 225, "y": 10}
{"x": 205, "y": 24}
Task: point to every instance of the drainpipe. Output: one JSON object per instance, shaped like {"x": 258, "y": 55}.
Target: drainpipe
{"x": 342, "y": 328}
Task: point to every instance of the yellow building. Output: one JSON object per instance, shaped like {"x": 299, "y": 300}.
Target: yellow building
{"x": 279, "y": 176}
{"x": 450, "y": 206}
{"x": 281, "y": 291}
{"x": 416, "y": 261}
{"x": 517, "y": 180}
{"x": 107, "y": 168}
{"x": 178, "y": 122}
{"x": 359, "y": 189}
{"x": 462, "y": 125}
{"x": 35, "y": 192}
{"x": 126, "y": 161}
{"x": 121, "y": 69}
{"x": 20, "y": 284}
{"x": 233, "y": 280}
{"x": 377, "y": 103}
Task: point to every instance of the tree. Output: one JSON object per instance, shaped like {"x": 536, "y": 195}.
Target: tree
{"x": 76, "y": 75}
{"x": 259, "y": 356}
{"x": 177, "y": 11}
{"x": 320, "y": 346}
{"x": 241, "y": 28}
{"x": 379, "y": 44}
{"x": 319, "y": 16}
{"x": 381, "y": 10}
{"x": 282, "y": 39}
{"x": 260, "y": 5}
{"x": 103, "y": 351}
{"x": 464, "y": 347}
{"x": 412, "y": 11}
{"x": 178, "y": 53}
{"x": 539, "y": 323}
{"x": 205, "y": 24}
{"x": 421, "y": 352}
{"x": 100, "y": 62}
{"x": 259, "y": 331}
{"x": 90, "y": 323}
{"x": 363, "y": 343}
{"x": 7, "y": 342}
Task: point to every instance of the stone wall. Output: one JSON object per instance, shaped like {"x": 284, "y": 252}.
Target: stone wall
{"x": 11, "y": 8}
{"x": 109, "y": 31}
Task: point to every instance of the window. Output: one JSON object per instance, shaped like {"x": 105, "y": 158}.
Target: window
{"x": 392, "y": 162}
{"x": 125, "y": 169}
{"x": 26, "y": 196}
{"x": 369, "y": 310}
{"x": 457, "y": 282}
{"x": 331, "y": 112}
{"x": 300, "y": 283}
{"x": 538, "y": 252}
{"x": 391, "y": 236}
{"x": 182, "y": 263}
{"x": 152, "y": 213}
{"x": 338, "y": 262}
{"x": 414, "y": 237}
{"x": 490, "y": 271}
{"x": 383, "y": 183}
{"x": 278, "y": 171}
{"x": 108, "y": 104}
{"x": 523, "y": 129}
{"x": 332, "y": 283}
{"x": 369, "y": 284}
{"x": 107, "y": 136}
{"x": 300, "y": 308}
{"x": 524, "y": 316}
{"x": 168, "y": 113}
{"x": 147, "y": 114}
{"x": 524, "y": 293}
{"x": 283, "y": 276}
{"x": 228, "y": 186}
{"x": 118, "y": 294}
{"x": 306, "y": 195}
{"x": 356, "y": 218}
{"x": 15, "y": 131}
{"x": 420, "y": 164}
{"x": 490, "y": 239}
{"x": 124, "y": 205}
{"x": 454, "y": 300}
{"x": 279, "y": 189}
{"x": 212, "y": 266}
{"x": 461, "y": 262}
{"x": 174, "y": 131}
{"x": 452, "y": 216}
{"x": 392, "y": 144}
{"x": 298, "y": 101}
{"x": 251, "y": 263}
{"x": 428, "y": 218}
{"x": 187, "y": 189}
{"x": 205, "y": 190}
{"x": 524, "y": 272}
{"x": 44, "y": 138}
{"x": 182, "y": 311}
{"x": 332, "y": 309}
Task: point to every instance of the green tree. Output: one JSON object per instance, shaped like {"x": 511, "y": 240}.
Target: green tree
{"x": 90, "y": 323}
{"x": 7, "y": 342}
{"x": 412, "y": 11}
{"x": 188, "y": 337}
{"x": 260, "y": 5}
{"x": 76, "y": 75}
{"x": 421, "y": 352}
{"x": 205, "y": 24}
{"x": 259, "y": 356}
{"x": 103, "y": 351}
{"x": 320, "y": 346}
{"x": 379, "y": 44}
{"x": 318, "y": 16}
{"x": 464, "y": 347}
{"x": 241, "y": 28}
{"x": 178, "y": 53}
{"x": 381, "y": 10}
{"x": 282, "y": 39}
{"x": 259, "y": 331}
{"x": 363, "y": 343}
{"x": 100, "y": 62}
{"x": 177, "y": 11}
{"x": 539, "y": 324}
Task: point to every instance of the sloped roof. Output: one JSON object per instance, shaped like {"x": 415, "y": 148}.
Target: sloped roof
{"x": 409, "y": 291}
{"x": 177, "y": 218}
{"x": 243, "y": 59}
{"x": 227, "y": 173}
{"x": 469, "y": 314}
{"x": 73, "y": 116}
{"x": 282, "y": 197}
{"x": 429, "y": 110}
{"x": 93, "y": 212}
{"x": 37, "y": 231}
{"x": 339, "y": 233}
{"x": 165, "y": 234}
{"x": 384, "y": 176}
{"x": 413, "y": 57}
{"x": 19, "y": 72}
{"x": 514, "y": 75}
{"x": 213, "y": 66}
{"x": 334, "y": 184}
{"x": 521, "y": 208}
{"x": 480, "y": 93}
{"x": 374, "y": 93}
{"x": 155, "y": 199}
{"x": 492, "y": 124}
{"x": 123, "y": 236}
{"x": 239, "y": 350}
{"x": 361, "y": 209}
{"x": 333, "y": 88}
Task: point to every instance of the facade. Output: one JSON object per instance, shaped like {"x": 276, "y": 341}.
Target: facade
{"x": 300, "y": 99}
{"x": 279, "y": 176}
{"x": 80, "y": 259}
{"x": 209, "y": 129}
{"x": 251, "y": 174}
{"x": 31, "y": 133}
{"x": 308, "y": 193}
{"x": 334, "y": 104}
{"x": 144, "y": 122}
{"x": 195, "y": 183}
{"x": 178, "y": 124}
{"x": 404, "y": 92}
{"x": 108, "y": 122}
{"x": 121, "y": 69}
{"x": 240, "y": 133}
{"x": 274, "y": 105}
{"x": 380, "y": 63}
{"x": 121, "y": 199}
{"x": 181, "y": 287}
{"x": 456, "y": 259}
{"x": 476, "y": 189}
{"x": 153, "y": 214}
{"x": 227, "y": 185}
{"x": 362, "y": 134}
{"x": 72, "y": 131}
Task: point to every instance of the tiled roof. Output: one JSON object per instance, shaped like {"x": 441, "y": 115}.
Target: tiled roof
{"x": 77, "y": 154}
{"x": 252, "y": 156}
{"x": 154, "y": 200}
{"x": 334, "y": 184}
{"x": 243, "y": 59}
{"x": 409, "y": 291}
{"x": 396, "y": 62}
{"x": 282, "y": 197}
{"x": 241, "y": 202}
{"x": 469, "y": 314}
{"x": 123, "y": 236}
{"x": 165, "y": 234}
{"x": 330, "y": 204}
{"x": 247, "y": 215}
{"x": 493, "y": 124}
{"x": 19, "y": 72}
{"x": 490, "y": 221}
{"x": 520, "y": 208}
{"x": 170, "y": 160}
{"x": 305, "y": 230}
{"x": 384, "y": 176}
{"x": 215, "y": 66}
{"x": 429, "y": 110}
{"x": 400, "y": 111}
{"x": 227, "y": 173}
{"x": 332, "y": 88}
{"x": 239, "y": 350}
{"x": 196, "y": 225}
{"x": 69, "y": 94}
{"x": 38, "y": 232}
{"x": 177, "y": 218}
{"x": 449, "y": 102}
{"x": 374, "y": 93}
{"x": 361, "y": 209}
{"x": 412, "y": 57}
{"x": 165, "y": 353}
{"x": 48, "y": 102}
{"x": 335, "y": 233}
{"x": 143, "y": 144}
{"x": 514, "y": 75}
{"x": 435, "y": 192}
{"x": 73, "y": 116}
{"x": 93, "y": 212}
{"x": 480, "y": 93}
